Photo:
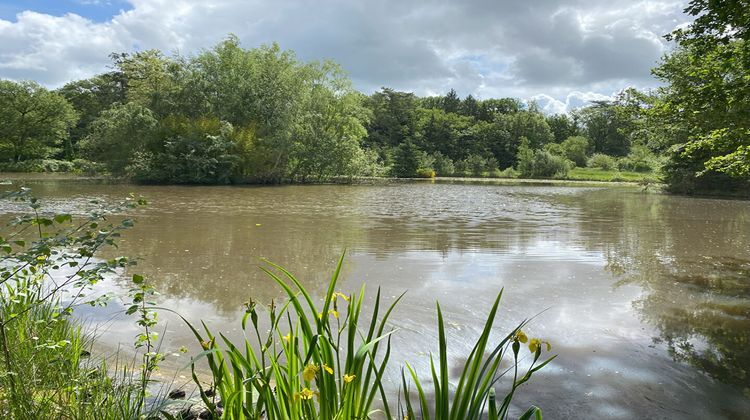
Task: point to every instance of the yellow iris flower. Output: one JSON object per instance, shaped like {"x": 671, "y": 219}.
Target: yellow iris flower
{"x": 309, "y": 372}
{"x": 305, "y": 394}
{"x": 348, "y": 378}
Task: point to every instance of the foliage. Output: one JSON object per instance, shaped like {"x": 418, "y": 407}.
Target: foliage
{"x": 328, "y": 361}
{"x": 90, "y": 97}
{"x": 443, "y": 165}
{"x": 327, "y": 137}
{"x": 38, "y": 165}
{"x": 119, "y": 135}
{"x": 563, "y": 126}
{"x": 425, "y": 173}
{"x": 195, "y": 152}
{"x": 295, "y": 121}
{"x": 541, "y": 163}
{"x": 34, "y": 121}
{"x": 704, "y": 106}
{"x": 602, "y": 161}
{"x": 49, "y": 264}
{"x": 607, "y": 128}
{"x": 478, "y": 376}
{"x": 476, "y": 164}
{"x": 405, "y": 160}
{"x": 576, "y": 149}
{"x": 640, "y": 159}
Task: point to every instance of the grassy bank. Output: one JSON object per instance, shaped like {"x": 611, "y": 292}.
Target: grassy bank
{"x": 603, "y": 175}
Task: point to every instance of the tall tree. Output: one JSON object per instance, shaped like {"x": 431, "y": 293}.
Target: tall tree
{"x": 34, "y": 121}
{"x": 470, "y": 107}
{"x": 451, "y": 102}
{"x": 705, "y": 103}
{"x": 562, "y": 126}
{"x": 393, "y": 118}
{"x": 90, "y": 97}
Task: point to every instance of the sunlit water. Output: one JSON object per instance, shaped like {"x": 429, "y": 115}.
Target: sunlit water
{"x": 645, "y": 297}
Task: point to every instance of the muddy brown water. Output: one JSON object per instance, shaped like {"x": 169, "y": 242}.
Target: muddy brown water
{"x": 645, "y": 297}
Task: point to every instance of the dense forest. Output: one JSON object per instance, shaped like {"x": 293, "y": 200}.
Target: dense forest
{"x": 234, "y": 115}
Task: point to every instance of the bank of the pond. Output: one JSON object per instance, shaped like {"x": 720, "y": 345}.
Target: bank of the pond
{"x": 597, "y": 177}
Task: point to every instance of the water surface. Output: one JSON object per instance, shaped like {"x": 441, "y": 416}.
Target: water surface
{"x": 645, "y": 297}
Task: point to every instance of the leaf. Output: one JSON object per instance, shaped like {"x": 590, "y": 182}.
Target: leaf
{"x": 62, "y": 218}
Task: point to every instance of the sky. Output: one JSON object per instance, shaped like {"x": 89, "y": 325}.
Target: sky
{"x": 560, "y": 53}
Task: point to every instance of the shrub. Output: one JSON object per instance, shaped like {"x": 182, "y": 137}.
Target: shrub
{"x": 543, "y": 164}
{"x": 602, "y": 161}
{"x": 45, "y": 368}
{"x": 575, "y": 148}
{"x": 87, "y": 167}
{"x": 476, "y": 164}
{"x": 507, "y": 173}
{"x": 38, "y": 165}
{"x": 425, "y": 173}
{"x": 198, "y": 154}
{"x": 405, "y": 160}
{"x": 461, "y": 167}
{"x": 443, "y": 165}
{"x": 640, "y": 159}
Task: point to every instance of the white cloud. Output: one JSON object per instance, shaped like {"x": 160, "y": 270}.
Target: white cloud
{"x": 542, "y": 49}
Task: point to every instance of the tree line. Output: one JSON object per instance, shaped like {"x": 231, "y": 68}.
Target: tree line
{"x": 234, "y": 115}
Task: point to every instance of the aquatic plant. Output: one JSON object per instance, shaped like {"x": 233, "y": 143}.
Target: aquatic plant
{"x": 328, "y": 362}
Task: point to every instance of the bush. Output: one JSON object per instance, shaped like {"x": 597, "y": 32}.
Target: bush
{"x": 199, "y": 153}
{"x": 405, "y": 160}
{"x": 507, "y": 173}
{"x": 543, "y": 164}
{"x": 575, "y": 148}
{"x": 476, "y": 164}
{"x": 38, "y": 165}
{"x": 46, "y": 371}
{"x": 443, "y": 165}
{"x": 87, "y": 167}
{"x": 425, "y": 173}
{"x": 461, "y": 167}
{"x": 602, "y": 161}
{"x": 640, "y": 159}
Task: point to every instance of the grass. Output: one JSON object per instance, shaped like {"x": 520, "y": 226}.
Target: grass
{"x": 596, "y": 174}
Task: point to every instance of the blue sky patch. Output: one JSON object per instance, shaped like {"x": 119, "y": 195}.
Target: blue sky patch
{"x": 95, "y": 10}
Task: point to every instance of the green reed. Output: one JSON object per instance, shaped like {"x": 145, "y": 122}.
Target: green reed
{"x": 331, "y": 362}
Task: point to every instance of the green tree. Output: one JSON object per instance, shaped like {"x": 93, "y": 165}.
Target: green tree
{"x": 393, "y": 119}
{"x": 439, "y": 131}
{"x": 34, "y": 121}
{"x": 405, "y": 160}
{"x": 451, "y": 102}
{"x": 328, "y": 134}
{"x": 606, "y": 128}
{"x": 562, "y": 126}
{"x": 119, "y": 134}
{"x": 469, "y": 107}
{"x": 704, "y": 107}
{"x": 90, "y": 97}
{"x": 576, "y": 148}
{"x": 489, "y": 109}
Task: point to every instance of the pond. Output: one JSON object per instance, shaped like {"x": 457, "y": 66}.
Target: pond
{"x": 644, "y": 296}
